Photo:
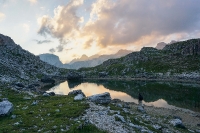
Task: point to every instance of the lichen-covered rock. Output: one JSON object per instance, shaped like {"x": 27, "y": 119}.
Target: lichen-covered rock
{"x": 6, "y": 107}
{"x": 103, "y": 98}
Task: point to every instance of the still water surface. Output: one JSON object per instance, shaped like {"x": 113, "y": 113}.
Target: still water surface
{"x": 158, "y": 94}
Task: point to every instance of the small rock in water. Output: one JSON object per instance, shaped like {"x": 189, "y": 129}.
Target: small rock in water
{"x": 78, "y": 97}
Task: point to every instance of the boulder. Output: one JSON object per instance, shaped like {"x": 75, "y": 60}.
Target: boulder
{"x": 76, "y": 92}
{"x": 51, "y": 93}
{"x": 177, "y": 123}
{"x": 48, "y": 80}
{"x": 121, "y": 118}
{"x": 103, "y": 98}
{"x": 78, "y": 97}
{"x": 6, "y": 107}
{"x": 46, "y": 94}
{"x": 18, "y": 84}
{"x": 198, "y": 131}
{"x": 141, "y": 109}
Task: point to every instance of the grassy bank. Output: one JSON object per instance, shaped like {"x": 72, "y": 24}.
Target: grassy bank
{"x": 50, "y": 114}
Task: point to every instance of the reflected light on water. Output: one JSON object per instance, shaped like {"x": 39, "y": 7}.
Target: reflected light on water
{"x": 92, "y": 89}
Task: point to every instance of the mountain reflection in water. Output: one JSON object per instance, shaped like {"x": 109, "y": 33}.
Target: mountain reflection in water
{"x": 93, "y": 88}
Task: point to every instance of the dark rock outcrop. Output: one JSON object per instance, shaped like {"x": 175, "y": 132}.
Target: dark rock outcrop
{"x": 76, "y": 92}
{"x": 103, "y": 98}
{"x": 48, "y": 80}
{"x": 103, "y": 74}
{"x": 189, "y": 47}
{"x": 73, "y": 76}
{"x": 18, "y": 84}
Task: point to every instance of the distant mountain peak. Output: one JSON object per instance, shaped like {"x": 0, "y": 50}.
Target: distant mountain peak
{"x": 161, "y": 45}
{"x": 84, "y": 57}
{"x": 124, "y": 51}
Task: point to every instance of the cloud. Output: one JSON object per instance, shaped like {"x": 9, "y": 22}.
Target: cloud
{"x": 65, "y": 22}
{"x": 42, "y": 41}
{"x": 88, "y": 43}
{"x": 33, "y": 1}
{"x": 52, "y": 50}
{"x": 2, "y": 1}
{"x": 26, "y": 27}
{"x": 123, "y": 22}
{"x": 68, "y": 49}
{"x": 2, "y": 16}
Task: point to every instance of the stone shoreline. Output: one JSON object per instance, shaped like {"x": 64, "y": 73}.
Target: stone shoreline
{"x": 145, "y": 79}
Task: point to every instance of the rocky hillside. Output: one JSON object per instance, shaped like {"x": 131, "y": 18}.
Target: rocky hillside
{"x": 19, "y": 65}
{"x": 179, "y": 60}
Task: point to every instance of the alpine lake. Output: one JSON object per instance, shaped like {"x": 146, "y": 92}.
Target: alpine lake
{"x": 157, "y": 94}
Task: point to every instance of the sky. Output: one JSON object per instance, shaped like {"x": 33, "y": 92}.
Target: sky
{"x": 71, "y": 28}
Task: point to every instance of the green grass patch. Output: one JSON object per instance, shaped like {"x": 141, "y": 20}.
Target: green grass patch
{"x": 51, "y": 114}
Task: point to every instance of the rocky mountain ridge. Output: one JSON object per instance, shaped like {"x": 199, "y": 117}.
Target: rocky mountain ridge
{"x": 84, "y": 61}
{"x": 179, "y": 60}
{"x": 22, "y": 68}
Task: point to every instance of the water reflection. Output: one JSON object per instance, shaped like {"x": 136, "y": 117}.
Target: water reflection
{"x": 93, "y": 88}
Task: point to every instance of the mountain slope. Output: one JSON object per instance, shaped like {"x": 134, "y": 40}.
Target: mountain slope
{"x": 177, "y": 60}
{"x": 84, "y": 61}
{"x": 18, "y": 64}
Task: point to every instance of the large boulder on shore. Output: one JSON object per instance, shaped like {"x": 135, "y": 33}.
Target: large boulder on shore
{"x": 76, "y": 92}
{"x": 103, "y": 98}
{"x": 6, "y": 107}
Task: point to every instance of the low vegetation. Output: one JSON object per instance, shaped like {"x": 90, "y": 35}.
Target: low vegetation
{"x": 48, "y": 114}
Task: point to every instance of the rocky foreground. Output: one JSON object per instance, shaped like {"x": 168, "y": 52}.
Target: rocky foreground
{"x": 28, "y": 112}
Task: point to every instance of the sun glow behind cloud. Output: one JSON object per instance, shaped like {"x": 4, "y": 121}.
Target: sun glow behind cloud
{"x": 2, "y": 16}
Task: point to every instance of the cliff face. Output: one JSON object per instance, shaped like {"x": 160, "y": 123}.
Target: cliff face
{"x": 189, "y": 47}
{"x": 177, "y": 60}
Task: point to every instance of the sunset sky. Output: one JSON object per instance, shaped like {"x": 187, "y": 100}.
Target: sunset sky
{"x": 70, "y": 28}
